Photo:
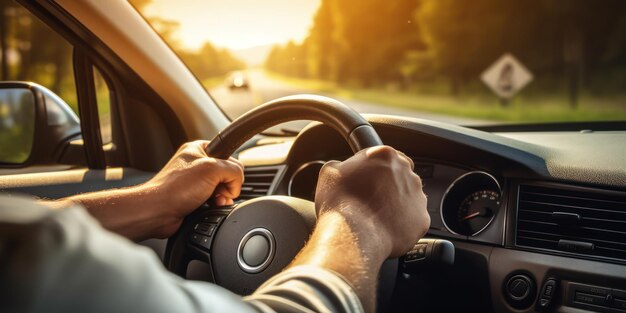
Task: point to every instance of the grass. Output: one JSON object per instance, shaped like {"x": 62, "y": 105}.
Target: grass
{"x": 480, "y": 105}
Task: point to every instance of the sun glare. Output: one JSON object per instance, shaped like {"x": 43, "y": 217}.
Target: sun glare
{"x": 236, "y": 24}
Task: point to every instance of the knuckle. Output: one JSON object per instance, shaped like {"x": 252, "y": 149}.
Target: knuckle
{"x": 329, "y": 165}
{"x": 382, "y": 152}
{"x": 327, "y": 169}
{"x": 418, "y": 181}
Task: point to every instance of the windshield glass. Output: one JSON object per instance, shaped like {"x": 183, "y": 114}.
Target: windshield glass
{"x": 465, "y": 62}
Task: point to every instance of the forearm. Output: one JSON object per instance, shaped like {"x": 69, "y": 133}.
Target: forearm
{"x": 352, "y": 250}
{"x": 131, "y": 212}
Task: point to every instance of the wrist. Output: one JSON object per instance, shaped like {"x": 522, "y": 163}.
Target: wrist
{"x": 351, "y": 246}
{"x": 155, "y": 209}
{"x": 366, "y": 234}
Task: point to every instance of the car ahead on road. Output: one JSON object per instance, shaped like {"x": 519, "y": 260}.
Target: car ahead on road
{"x": 238, "y": 80}
{"x": 524, "y": 217}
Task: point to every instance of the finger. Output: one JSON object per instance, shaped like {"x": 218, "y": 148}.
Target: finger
{"x": 200, "y": 146}
{"x": 228, "y": 192}
{"x": 220, "y": 200}
{"x": 381, "y": 152}
{"x": 409, "y": 160}
{"x": 236, "y": 162}
{"x": 202, "y": 143}
{"x": 232, "y": 178}
{"x": 330, "y": 165}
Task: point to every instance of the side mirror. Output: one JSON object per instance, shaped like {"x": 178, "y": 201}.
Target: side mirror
{"x": 35, "y": 125}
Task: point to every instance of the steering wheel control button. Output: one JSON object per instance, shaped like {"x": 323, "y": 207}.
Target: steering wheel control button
{"x": 215, "y": 219}
{"x": 256, "y": 250}
{"x": 205, "y": 228}
{"x": 204, "y": 231}
{"x": 520, "y": 291}
{"x": 417, "y": 253}
{"x": 201, "y": 240}
{"x": 428, "y": 253}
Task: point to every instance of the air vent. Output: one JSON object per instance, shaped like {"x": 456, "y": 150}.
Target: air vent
{"x": 581, "y": 221}
{"x": 259, "y": 181}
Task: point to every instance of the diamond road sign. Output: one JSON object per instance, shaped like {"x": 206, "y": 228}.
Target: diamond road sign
{"x": 506, "y": 76}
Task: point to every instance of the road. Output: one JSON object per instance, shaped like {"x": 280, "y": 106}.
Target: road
{"x": 263, "y": 88}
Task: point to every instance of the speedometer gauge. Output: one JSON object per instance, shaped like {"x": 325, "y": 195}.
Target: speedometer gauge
{"x": 476, "y": 211}
{"x": 470, "y": 203}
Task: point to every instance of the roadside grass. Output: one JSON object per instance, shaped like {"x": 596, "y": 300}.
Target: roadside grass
{"x": 522, "y": 108}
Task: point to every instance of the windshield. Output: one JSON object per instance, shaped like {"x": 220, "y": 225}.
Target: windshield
{"x": 464, "y": 62}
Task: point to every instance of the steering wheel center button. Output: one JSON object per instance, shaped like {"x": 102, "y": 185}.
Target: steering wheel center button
{"x": 256, "y": 250}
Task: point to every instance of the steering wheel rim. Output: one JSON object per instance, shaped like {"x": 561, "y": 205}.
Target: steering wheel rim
{"x": 350, "y": 124}
{"x": 231, "y": 224}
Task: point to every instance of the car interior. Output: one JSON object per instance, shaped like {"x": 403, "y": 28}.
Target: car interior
{"x": 525, "y": 217}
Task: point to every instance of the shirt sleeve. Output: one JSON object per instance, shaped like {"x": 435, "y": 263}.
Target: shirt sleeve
{"x": 306, "y": 289}
{"x": 64, "y": 261}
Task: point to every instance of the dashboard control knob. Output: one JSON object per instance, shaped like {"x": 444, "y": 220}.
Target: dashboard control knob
{"x": 518, "y": 287}
{"x": 520, "y": 290}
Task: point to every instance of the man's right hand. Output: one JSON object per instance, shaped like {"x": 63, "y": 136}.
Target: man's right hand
{"x": 378, "y": 193}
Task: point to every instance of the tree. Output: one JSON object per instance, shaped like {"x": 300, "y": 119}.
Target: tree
{"x": 348, "y": 43}
{"x": 206, "y": 62}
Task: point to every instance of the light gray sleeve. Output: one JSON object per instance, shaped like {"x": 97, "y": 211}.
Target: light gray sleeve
{"x": 63, "y": 261}
{"x": 306, "y": 289}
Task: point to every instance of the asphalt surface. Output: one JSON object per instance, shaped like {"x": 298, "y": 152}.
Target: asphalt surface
{"x": 263, "y": 88}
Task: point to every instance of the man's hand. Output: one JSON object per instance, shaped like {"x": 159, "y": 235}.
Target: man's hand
{"x": 190, "y": 178}
{"x": 157, "y": 207}
{"x": 370, "y": 207}
{"x": 376, "y": 191}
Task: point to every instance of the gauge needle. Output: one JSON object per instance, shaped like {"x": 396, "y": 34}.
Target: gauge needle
{"x": 477, "y": 213}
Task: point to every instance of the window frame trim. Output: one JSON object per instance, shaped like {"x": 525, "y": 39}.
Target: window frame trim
{"x": 88, "y": 109}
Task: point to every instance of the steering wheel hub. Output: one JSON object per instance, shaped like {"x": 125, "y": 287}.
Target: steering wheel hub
{"x": 256, "y": 250}
{"x": 258, "y": 239}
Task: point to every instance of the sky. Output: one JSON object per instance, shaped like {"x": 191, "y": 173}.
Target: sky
{"x": 237, "y": 24}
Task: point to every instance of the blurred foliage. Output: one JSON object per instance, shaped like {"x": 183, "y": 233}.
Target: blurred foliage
{"x": 206, "y": 63}
{"x": 30, "y": 51}
{"x": 571, "y": 46}
{"x": 362, "y": 43}
{"x": 103, "y": 101}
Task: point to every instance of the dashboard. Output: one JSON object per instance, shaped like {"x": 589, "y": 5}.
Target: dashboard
{"x": 538, "y": 219}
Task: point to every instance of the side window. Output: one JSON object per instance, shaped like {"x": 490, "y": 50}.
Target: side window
{"x": 103, "y": 98}
{"x": 30, "y": 51}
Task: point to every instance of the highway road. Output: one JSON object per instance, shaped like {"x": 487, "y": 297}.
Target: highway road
{"x": 263, "y": 88}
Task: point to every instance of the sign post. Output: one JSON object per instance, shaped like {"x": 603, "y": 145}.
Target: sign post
{"x": 506, "y": 77}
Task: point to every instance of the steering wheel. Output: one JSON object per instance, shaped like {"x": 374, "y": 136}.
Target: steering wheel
{"x": 248, "y": 243}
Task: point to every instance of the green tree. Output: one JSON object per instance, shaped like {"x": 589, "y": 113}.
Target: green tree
{"x": 348, "y": 43}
